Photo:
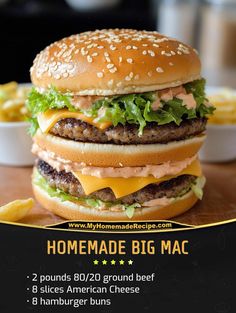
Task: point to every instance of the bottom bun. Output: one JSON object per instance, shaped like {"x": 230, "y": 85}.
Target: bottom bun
{"x": 74, "y": 211}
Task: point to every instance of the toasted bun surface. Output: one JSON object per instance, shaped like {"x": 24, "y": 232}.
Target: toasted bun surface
{"x": 72, "y": 211}
{"x": 105, "y": 155}
{"x": 115, "y": 61}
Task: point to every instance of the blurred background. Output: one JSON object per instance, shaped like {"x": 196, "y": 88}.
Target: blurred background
{"x": 27, "y": 26}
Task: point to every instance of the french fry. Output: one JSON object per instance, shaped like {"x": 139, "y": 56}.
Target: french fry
{"x": 225, "y": 104}
{"x": 9, "y": 87}
{"x": 12, "y": 102}
{"x": 16, "y": 210}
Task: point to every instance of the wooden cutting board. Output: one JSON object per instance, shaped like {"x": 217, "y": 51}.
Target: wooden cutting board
{"x": 219, "y": 202}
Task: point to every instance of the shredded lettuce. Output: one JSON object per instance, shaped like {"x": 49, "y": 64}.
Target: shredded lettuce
{"x": 40, "y": 181}
{"x": 3, "y": 95}
{"x": 197, "y": 187}
{"x": 51, "y": 99}
{"x": 129, "y": 210}
{"x": 34, "y": 125}
{"x": 41, "y": 102}
{"x": 198, "y": 91}
{"x": 131, "y": 108}
{"x": 137, "y": 108}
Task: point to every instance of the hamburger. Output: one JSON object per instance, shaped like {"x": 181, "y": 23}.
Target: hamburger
{"x": 118, "y": 117}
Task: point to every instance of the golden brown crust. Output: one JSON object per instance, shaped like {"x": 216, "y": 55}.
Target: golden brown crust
{"x": 106, "y": 155}
{"x": 118, "y": 61}
{"x": 72, "y": 211}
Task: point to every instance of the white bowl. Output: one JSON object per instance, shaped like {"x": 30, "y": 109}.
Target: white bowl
{"x": 220, "y": 144}
{"x": 15, "y": 147}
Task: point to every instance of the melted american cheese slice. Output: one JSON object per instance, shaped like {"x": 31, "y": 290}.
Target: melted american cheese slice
{"x": 49, "y": 118}
{"x": 125, "y": 186}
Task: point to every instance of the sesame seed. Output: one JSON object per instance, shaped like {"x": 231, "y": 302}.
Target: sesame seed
{"x": 100, "y": 47}
{"x": 144, "y": 52}
{"x": 149, "y": 74}
{"x": 136, "y": 77}
{"x": 112, "y": 47}
{"x": 119, "y": 84}
{"x": 68, "y": 59}
{"x": 128, "y": 47}
{"x": 94, "y": 54}
{"x": 159, "y": 70}
{"x": 155, "y": 45}
{"x": 130, "y": 60}
{"x": 110, "y": 65}
{"x": 127, "y": 78}
{"x": 144, "y": 44}
{"x": 161, "y": 40}
{"x": 89, "y": 59}
{"x": 171, "y": 64}
{"x": 110, "y": 83}
{"x": 83, "y": 52}
{"x": 65, "y": 74}
{"x": 113, "y": 70}
{"x": 108, "y": 59}
{"x": 100, "y": 74}
{"x": 70, "y": 67}
{"x": 106, "y": 54}
{"x": 152, "y": 53}
{"x": 135, "y": 48}
{"x": 120, "y": 59}
{"x": 172, "y": 52}
{"x": 57, "y": 76}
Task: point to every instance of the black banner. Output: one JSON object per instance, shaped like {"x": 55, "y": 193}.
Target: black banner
{"x": 50, "y": 270}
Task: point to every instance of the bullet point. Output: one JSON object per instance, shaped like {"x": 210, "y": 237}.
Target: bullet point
{"x": 27, "y": 300}
{"x": 27, "y": 288}
{"x": 27, "y": 276}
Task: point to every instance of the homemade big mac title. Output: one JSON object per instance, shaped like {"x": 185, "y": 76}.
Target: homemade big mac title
{"x": 118, "y": 117}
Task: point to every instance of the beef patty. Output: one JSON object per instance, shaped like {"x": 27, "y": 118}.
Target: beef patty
{"x": 128, "y": 134}
{"x": 68, "y": 183}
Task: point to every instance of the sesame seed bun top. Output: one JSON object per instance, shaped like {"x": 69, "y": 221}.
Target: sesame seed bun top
{"x": 115, "y": 61}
